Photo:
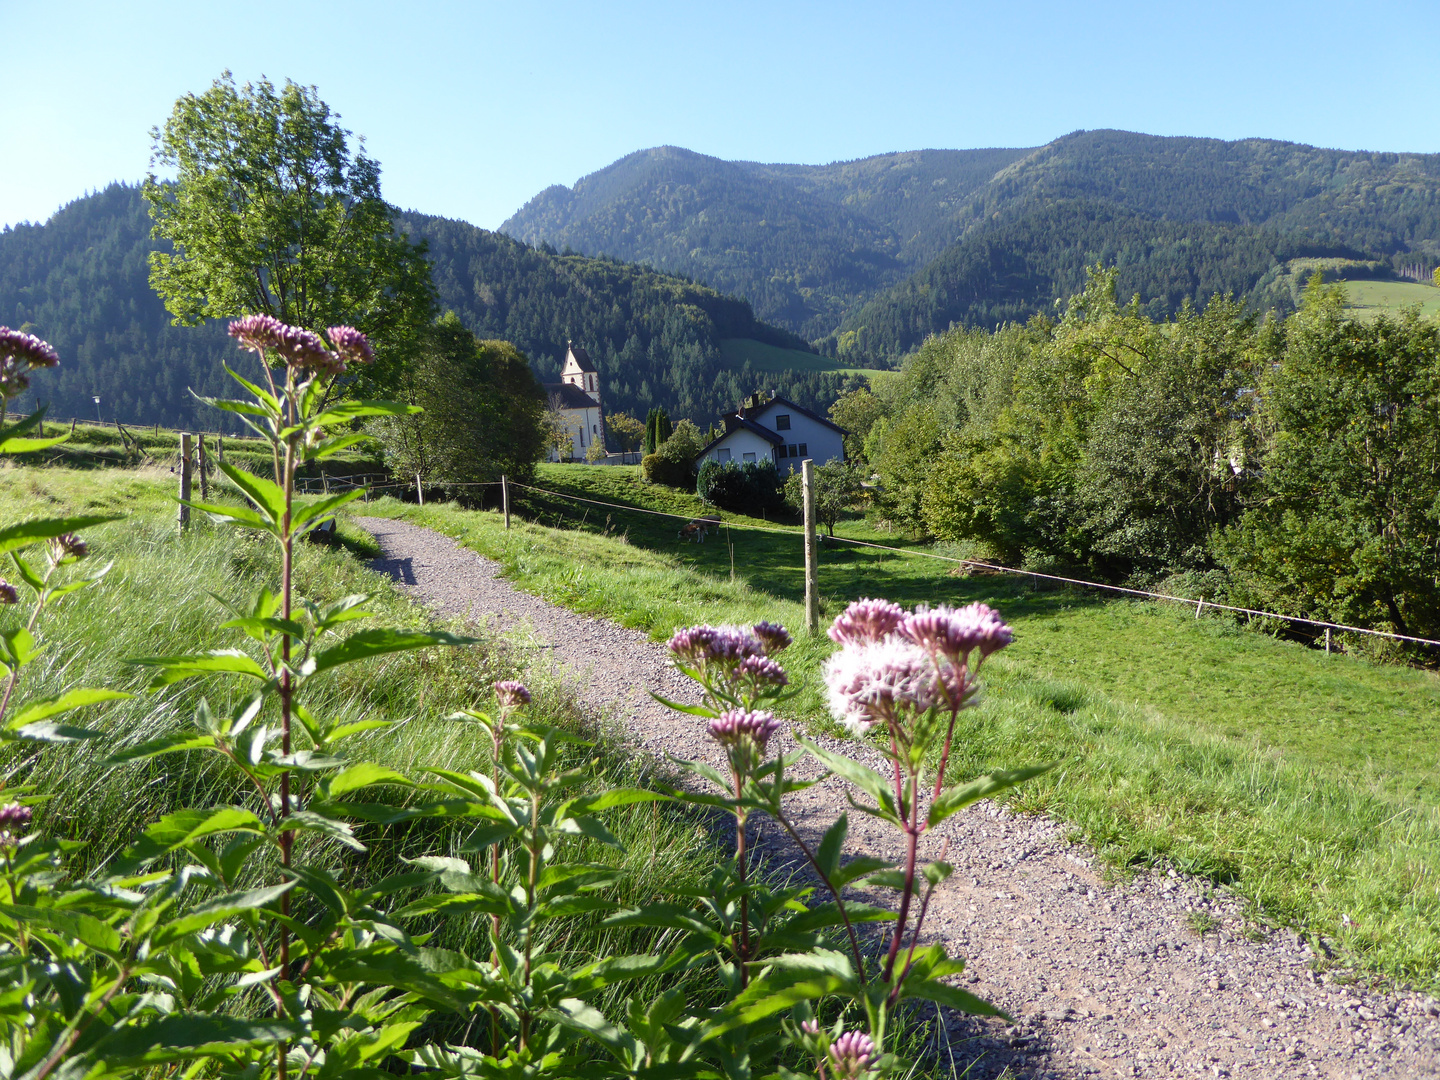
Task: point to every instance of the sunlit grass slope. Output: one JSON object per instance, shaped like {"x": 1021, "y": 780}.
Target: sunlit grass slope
{"x": 764, "y": 357}
{"x": 1368, "y": 299}
{"x": 1308, "y": 783}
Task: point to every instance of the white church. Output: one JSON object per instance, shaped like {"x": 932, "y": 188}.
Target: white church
{"x": 576, "y": 400}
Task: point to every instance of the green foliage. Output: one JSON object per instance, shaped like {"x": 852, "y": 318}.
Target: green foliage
{"x": 270, "y": 212}
{"x": 839, "y": 488}
{"x": 1344, "y": 522}
{"x": 657, "y": 430}
{"x": 483, "y": 412}
{"x": 750, "y": 487}
{"x": 624, "y": 430}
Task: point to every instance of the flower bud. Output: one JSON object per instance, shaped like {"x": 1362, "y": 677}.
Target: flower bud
{"x": 865, "y": 622}
{"x": 68, "y": 547}
{"x": 512, "y": 694}
{"x": 14, "y": 817}
{"x": 8, "y": 593}
{"x": 26, "y": 350}
{"x": 774, "y": 637}
{"x": 351, "y": 346}
{"x": 737, "y": 727}
{"x": 850, "y": 1055}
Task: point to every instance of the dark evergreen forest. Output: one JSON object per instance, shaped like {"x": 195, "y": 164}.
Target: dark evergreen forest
{"x": 81, "y": 281}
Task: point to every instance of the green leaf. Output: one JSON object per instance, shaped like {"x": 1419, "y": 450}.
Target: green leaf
{"x": 957, "y": 798}
{"x": 239, "y": 515}
{"x": 952, "y": 996}
{"x": 303, "y": 515}
{"x": 363, "y": 775}
{"x": 17, "y": 647}
{"x": 74, "y": 699}
{"x": 367, "y": 643}
{"x": 583, "y": 1018}
{"x": 220, "y": 909}
{"x": 214, "y": 662}
{"x": 691, "y": 710}
{"x": 309, "y": 821}
{"x": 175, "y": 831}
{"x": 607, "y": 800}
{"x": 188, "y": 1035}
{"x": 27, "y": 575}
{"x": 49, "y": 731}
{"x": 86, "y": 929}
{"x": 14, "y": 537}
{"x": 342, "y": 411}
{"x": 328, "y": 447}
{"x": 260, "y": 392}
{"x": 13, "y": 438}
{"x": 862, "y": 776}
{"x": 268, "y": 496}
{"x": 828, "y": 854}
{"x": 857, "y": 868}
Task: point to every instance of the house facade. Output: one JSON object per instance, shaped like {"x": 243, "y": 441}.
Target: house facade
{"x": 777, "y": 429}
{"x": 575, "y": 401}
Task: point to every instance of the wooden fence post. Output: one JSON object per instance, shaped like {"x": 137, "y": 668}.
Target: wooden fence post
{"x": 419, "y": 491}
{"x": 220, "y": 449}
{"x": 204, "y": 484}
{"x": 1327, "y": 639}
{"x": 505, "y": 498}
{"x": 812, "y": 576}
{"x": 184, "y": 479}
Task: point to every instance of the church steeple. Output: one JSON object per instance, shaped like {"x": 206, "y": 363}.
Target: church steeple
{"x": 580, "y": 371}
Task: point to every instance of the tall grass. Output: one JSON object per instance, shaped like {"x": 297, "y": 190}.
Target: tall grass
{"x": 1306, "y": 783}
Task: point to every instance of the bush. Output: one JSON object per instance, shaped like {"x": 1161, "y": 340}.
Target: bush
{"x": 747, "y": 488}
{"x": 657, "y": 468}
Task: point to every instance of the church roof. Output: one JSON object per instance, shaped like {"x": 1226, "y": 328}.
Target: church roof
{"x": 570, "y": 395}
{"x": 582, "y": 358}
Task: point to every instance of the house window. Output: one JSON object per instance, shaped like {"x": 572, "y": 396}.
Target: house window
{"x": 723, "y": 454}
{"x": 804, "y": 450}
{"x": 748, "y": 457}
{"x": 782, "y": 422}
{"x": 792, "y": 450}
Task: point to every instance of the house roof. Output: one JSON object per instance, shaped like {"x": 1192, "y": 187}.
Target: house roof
{"x": 778, "y": 400}
{"x": 582, "y": 358}
{"x": 734, "y": 423}
{"x": 570, "y": 395}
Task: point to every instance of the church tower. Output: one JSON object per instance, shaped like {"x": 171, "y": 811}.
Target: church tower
{"x": 580, "y": 372}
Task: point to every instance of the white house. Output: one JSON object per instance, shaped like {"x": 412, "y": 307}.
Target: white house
{"x": 778, "y": 429}
{"x": 575, "y": 399}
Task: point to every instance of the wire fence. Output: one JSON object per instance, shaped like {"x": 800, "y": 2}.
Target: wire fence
{"x": 1198, "y": 604}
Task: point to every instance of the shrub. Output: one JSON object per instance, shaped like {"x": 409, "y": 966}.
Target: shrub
{"x": 674, "y": 462}
{"x": 744, "y": 488}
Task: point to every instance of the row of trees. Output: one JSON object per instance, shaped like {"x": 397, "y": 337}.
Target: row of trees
{"x": 1287, "y": 464}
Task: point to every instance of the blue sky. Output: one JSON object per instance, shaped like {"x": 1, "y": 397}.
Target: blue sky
{"x": 472, "y": 108}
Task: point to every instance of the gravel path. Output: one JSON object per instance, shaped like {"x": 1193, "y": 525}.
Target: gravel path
{"x": 1103, "y": 979}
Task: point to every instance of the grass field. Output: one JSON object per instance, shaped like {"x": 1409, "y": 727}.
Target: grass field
{"x": 1367, "y": 299}
{"x": 772, "y": 358}
{"x": 1310, "y": 784}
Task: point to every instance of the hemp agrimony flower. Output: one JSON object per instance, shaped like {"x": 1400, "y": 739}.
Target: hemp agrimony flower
{"x": 737, "y": 727}
{"x": 8, "y": 593}
{"x": 351, "y": 345}
{"x": 68, "y": 548}
{"x": 865, "y": 622}
{"x": 20, "y": 353}
{"x": 956, "y": 632}
{"x": 512, "y": 694}
{"x": 774, "y": 637}
{"x": 850, "y": 1055}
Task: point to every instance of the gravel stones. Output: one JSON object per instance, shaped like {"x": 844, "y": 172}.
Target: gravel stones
{"x": 1099, "y": 979}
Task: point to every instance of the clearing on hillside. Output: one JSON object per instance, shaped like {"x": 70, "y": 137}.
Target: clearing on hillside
{"x": 1367, "y": 299}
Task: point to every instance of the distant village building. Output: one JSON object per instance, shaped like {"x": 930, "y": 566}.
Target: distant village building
{"x": 575, "y": 399}
{"x": 777, "y": 429}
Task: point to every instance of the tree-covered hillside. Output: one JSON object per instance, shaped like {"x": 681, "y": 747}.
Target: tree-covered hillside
{"x": 80, "y": 280}
{"x": 654, "y": 337}
{"x": 992, "y": 234}
{"x": 1014, "y": 269}
{"x": 804, "y": 244}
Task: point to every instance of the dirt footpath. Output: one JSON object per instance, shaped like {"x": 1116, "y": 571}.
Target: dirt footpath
{"x": 1103, "y": 979}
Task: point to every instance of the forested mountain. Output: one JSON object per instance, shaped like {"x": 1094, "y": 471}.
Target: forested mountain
{"x": 804, "y": 244}
{"x": 654, "y": 337}
{"x": 81, "y": 281}
{"x": 980, "y": 236}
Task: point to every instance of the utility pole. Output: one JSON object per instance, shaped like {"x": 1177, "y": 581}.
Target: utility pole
{"x": 184, "y": 479}
{"x": 812, "y": 575}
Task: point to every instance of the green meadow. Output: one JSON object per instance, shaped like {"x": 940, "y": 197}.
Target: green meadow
{"x": 1368, "y": 299}
{"x": 1307, "y": 783}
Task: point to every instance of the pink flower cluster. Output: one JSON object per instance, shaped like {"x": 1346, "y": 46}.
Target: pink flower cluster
{"x": 301, "y": 348}
{"x": 512, "y": 694}
{"x": 894, "y": 662}
{"x": 14, "y": 817}
{"x": 8, "y": 593}
{"x": 20, "y": 353}
{"x": 850, "y": 1055}
{"x": 737, "y": 727}
{"x": 68, "y": 547}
